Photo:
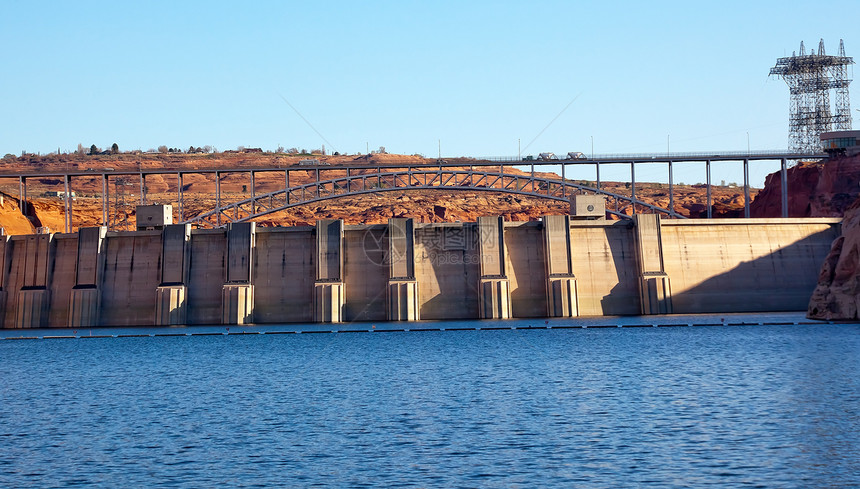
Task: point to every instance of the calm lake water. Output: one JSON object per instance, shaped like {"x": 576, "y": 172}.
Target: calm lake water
{"x": 721, "y": 406}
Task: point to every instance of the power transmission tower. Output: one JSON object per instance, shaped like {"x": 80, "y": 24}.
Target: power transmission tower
{"x": 810, "y": 77}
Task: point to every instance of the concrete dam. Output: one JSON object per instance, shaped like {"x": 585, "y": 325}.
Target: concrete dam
{"x": 406, "y": 271}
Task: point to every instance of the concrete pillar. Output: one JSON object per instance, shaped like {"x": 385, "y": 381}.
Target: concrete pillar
{"x": 171, "y": 306}
{"x": 237, "y": 294}
{"x": 655, "y": 292}
{"x": 84, "y": 307}
{"x": 402, "y": 286}
{"x": 493, "y": 288}
{"x": 403, "y": 300}
{"x": 34, "y": 297}
{"x": 329, "y": 288}
{"x": 329, "y": 299}
{"x": 86, "y": 294}
{"x": 237, "y": 304}
{"x": 495, "y": 298}
{"x": 32, "y": 311}
{"x": 562, "y": 300}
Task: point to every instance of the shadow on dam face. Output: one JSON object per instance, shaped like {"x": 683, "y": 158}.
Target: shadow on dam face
{"x": 782, "y": 280}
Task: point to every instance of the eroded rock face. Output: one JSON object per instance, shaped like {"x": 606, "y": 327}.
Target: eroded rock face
{"x": 814, "y": 190}
{"x": 837, "y": 295}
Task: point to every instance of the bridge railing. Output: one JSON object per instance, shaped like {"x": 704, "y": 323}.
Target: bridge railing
{"x": 774, "y": 153}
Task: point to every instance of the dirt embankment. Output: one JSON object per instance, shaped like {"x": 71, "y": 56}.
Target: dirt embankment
{"x": 46, "y": 209}
{"x": 11, "y": 218}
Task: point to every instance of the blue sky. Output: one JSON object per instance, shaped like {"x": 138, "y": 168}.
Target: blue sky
{"x": 477, "y": 76}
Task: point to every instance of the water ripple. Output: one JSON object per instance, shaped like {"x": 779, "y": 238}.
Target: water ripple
{"x": 758, "y": 406}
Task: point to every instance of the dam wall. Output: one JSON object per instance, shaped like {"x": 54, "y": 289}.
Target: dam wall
{"x": 403, "y": 270}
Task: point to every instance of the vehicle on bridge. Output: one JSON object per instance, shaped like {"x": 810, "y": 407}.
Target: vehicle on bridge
{"x": 312, "y": 162}
{"x": 547, "y": 156}
{"x": 576, "y": 155}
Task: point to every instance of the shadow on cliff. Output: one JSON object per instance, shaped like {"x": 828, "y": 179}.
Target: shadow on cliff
{"x": 780, "y": 281}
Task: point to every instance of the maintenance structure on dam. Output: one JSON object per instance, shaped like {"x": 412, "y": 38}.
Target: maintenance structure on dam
{"x": 406, "y": 271}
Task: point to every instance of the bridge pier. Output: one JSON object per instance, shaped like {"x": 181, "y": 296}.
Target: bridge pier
{"x": 746, "y": 187}
{"x": 708, "y": 188}
{"x": 67, "y": 203}
{"x": 655, "y": 292}
{"x": 237, "y": 294}
{"x": 402, "y": 285}
{"x": 329, "y": 288}
{"x": 783, "y": 184}
{"x": 171, "y": 306}
{"x": 86, "y": 294}
{"x": 22, "y": 195}
{"x": 671, "y": 188}
{"x": 105, "y": 201}
{"x": 561, "y": 281}
{"x": 494, "y": 287}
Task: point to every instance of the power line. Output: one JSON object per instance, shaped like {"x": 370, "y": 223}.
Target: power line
{"x": 307, "y": 122}
{"x": 550, "y": 122}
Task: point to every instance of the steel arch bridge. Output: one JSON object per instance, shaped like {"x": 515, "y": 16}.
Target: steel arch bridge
{"x": 434, "y": 178}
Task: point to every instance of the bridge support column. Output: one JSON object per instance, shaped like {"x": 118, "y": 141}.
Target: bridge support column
{"x": 237, "y": 294}
{"x": 86, "y": 294}
{"x": 655, "y": 292}
{"x": 329, "y": 288}
{"x": 171, "y": 305}
{"x": 494, "y": 287}
{"x": 561, "y": 282}
{"x": 34, "y": 296}
{"x": 402, "y": 286}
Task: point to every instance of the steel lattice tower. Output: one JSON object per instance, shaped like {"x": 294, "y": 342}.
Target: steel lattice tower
{"x": 810, "y": 77}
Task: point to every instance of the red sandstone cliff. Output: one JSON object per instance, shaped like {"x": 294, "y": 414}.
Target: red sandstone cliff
{"x": 814, "y": 190}
{"x": 837, "y": 295}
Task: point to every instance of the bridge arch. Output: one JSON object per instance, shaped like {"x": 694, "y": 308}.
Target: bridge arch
{"x": 386, "y": 180}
